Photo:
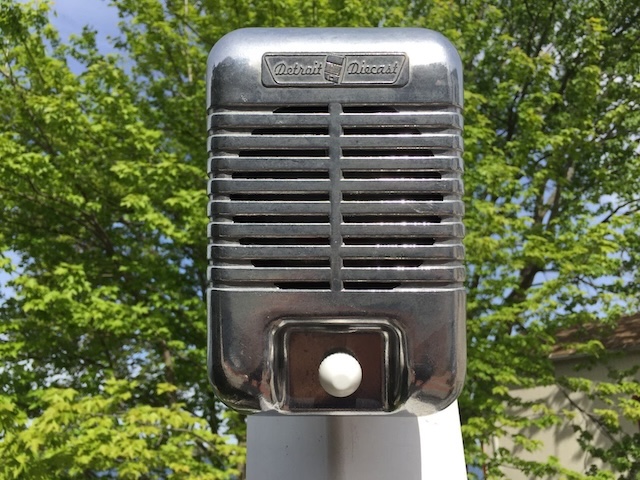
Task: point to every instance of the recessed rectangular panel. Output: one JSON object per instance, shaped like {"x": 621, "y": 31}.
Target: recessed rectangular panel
{"x": 306, "y": 350}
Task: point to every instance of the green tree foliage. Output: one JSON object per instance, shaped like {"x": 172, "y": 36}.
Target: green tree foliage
{"x": 102, "y": 324}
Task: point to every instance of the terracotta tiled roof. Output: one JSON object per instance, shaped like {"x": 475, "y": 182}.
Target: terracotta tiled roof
{"x": 623, "y": 336}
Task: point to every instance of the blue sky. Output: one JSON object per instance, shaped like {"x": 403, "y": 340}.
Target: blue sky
{"x": 71, "y": 15}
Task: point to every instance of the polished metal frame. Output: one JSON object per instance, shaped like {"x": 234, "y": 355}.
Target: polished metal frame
{"x": 335, "y": 203}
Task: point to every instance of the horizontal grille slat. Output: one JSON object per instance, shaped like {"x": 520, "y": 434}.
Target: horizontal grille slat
{"x": 291, "y": 262}
{"x": 450, "y": 252}
{"x": 432, "y": 273}
{"x": 227, "y": 185}
{"x": 262, "y": 119}
{"x": 279, "y": 218}
{"x": 392, "y": 196}
{"x": 235, "y": 164}
{"x": 241, "y": 252}
{"x": 324, "y": 108}
{"x": 389, "y": 174}
{"x": 444, "y": 208}
{"x": 385, "y": 130}
{"x": 440, "y": 230}
{"x": 290, "y": 130}
{"x": 431, "y": 119}
{"x": 280, "y": 175}
{"x": 423, "y": 185}
{"x": 282, "y": 241}
{"x": 449, "y": 142}
{"x": 232, "y": 273}
{"x": 282, "y": 142}
{"x": 416, "y": 109}
{"x": 405, "y": 242}
{"x": 390, "y": 218}
{"x": 387, "y": 153}
{"x": 285, "y": 208}
{"x": 256, "y": 197}
{"x": 434, "y": 163}
{"x": 234, "y": 230}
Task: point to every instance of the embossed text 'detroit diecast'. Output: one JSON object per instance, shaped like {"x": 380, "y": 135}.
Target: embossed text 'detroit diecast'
{"x": 335, "y": 235}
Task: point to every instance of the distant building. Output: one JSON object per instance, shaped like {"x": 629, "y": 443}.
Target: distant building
{"x": 560, "y": 441}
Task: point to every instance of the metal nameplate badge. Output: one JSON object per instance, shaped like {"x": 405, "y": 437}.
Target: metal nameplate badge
{"x": 331, "y": 69}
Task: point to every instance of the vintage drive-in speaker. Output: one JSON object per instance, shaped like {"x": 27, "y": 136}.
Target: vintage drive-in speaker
{"x": 335, "y": 235}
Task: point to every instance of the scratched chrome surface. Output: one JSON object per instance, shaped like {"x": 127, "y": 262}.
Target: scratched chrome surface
{"x": 335, "y": 201}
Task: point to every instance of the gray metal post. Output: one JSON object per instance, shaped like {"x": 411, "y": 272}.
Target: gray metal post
{"x": 362, "y": 447}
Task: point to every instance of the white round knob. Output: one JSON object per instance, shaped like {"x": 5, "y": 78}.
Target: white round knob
{"x": 340, "y": 374}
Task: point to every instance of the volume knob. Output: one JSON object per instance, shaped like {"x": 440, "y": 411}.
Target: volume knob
{"x": 340, "y": 374}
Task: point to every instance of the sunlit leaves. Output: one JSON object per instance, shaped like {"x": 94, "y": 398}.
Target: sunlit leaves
{"x": 76, "y": 434}
{"x": 102, "y": 225}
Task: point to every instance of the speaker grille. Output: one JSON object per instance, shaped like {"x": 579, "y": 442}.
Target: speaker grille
{"x": 335, "y": 197}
